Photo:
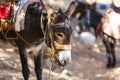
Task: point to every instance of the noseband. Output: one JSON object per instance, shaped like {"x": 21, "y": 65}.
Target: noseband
{"x": 53, "y": 50}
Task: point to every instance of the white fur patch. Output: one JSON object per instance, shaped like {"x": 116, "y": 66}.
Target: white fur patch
{"x": 65, "y": 56}
{"x": 67, "y": 22}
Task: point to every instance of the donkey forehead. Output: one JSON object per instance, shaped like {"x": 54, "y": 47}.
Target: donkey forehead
{"x": 58, "y": 17}
{"x": 62, "y": 18}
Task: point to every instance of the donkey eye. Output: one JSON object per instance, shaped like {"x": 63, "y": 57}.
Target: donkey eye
{"x": 60, "y": 35}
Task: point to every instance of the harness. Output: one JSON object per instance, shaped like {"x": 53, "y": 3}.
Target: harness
{"x": 54, "y": 45}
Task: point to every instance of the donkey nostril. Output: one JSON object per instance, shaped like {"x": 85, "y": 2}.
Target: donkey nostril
{"x": 65, "y": 62}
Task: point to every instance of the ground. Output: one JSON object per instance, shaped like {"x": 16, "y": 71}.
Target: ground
{"x": 87, "y": 64}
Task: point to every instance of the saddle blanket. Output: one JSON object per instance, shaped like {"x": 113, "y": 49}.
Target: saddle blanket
{"x": 20, "y": 14}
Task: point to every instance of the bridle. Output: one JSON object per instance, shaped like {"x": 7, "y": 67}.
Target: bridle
{"x": 54, "y": 46}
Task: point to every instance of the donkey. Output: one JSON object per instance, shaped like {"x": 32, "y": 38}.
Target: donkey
{"x": 109, "y": 30}
{"x": 43, "y": 26}
{"x": 87, "y": 16}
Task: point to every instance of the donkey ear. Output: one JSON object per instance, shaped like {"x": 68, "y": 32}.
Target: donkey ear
{"x": 48, "y": 9}
{"x": 71, "y": 9}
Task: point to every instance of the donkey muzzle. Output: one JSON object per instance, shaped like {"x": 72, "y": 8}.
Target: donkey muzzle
{"x": 64, "y": 57}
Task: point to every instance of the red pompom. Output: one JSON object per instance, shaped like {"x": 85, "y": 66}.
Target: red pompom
{"x": 4, "y": 12}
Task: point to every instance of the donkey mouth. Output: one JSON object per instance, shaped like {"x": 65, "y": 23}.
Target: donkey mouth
{"x": 64, "y": 58}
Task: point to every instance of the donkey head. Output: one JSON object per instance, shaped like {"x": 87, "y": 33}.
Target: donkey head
{"x": 60, "y": 33}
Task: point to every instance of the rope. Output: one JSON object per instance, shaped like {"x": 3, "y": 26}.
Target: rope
{"x": 24, "y": 39}
{"x": 50, "y": 34}
{"x": 50, "y": 69}
{"x": 45, "y": 46}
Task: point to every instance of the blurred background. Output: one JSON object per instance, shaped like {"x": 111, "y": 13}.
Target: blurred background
{"x": 88, "y": 53}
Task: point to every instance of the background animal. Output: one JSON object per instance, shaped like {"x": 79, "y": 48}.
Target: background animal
{"x": 87, "y": 16}
{"x": 108, "y": 29}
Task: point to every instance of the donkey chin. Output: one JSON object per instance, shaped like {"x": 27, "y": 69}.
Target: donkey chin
{"x": 64, "y": 57}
